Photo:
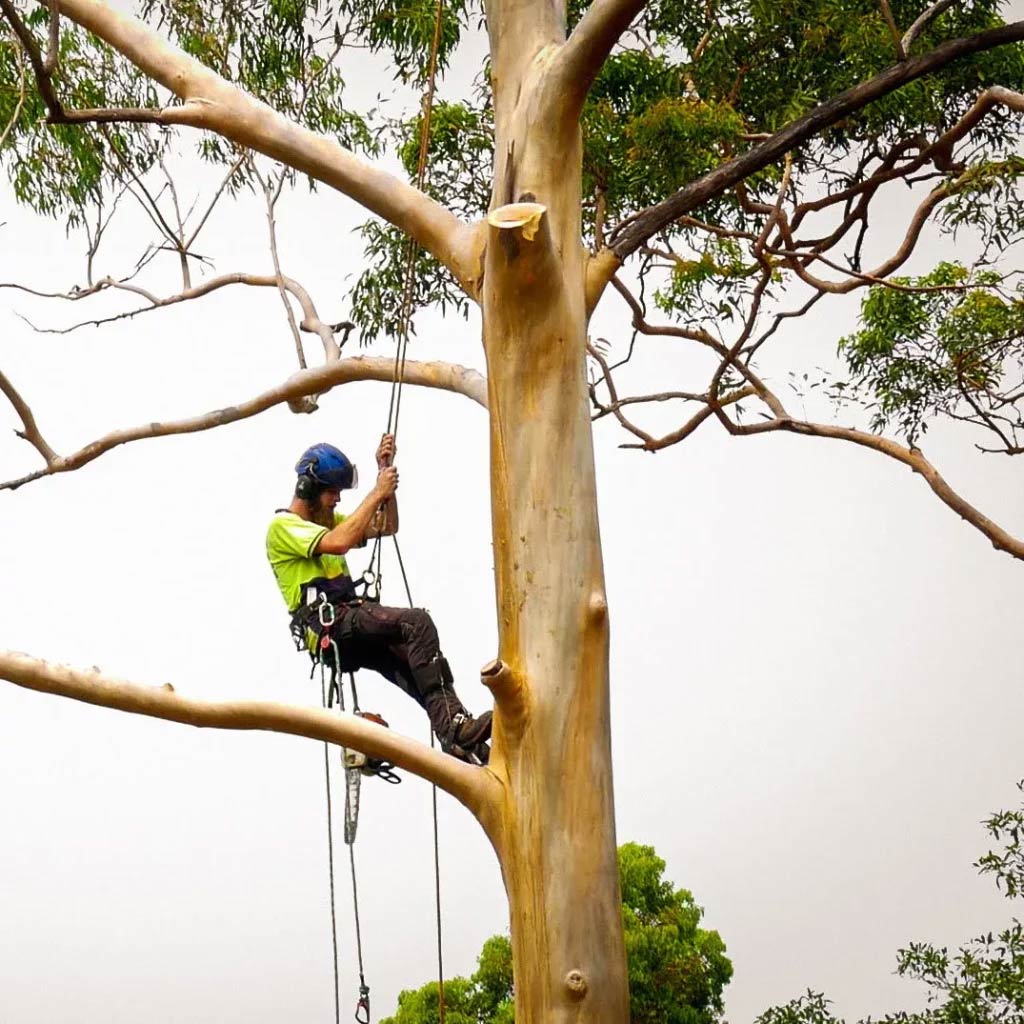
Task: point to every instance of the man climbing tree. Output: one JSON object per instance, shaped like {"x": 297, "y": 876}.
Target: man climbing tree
{"x": 696, "y": 158}
{"x": 306, "y": 545}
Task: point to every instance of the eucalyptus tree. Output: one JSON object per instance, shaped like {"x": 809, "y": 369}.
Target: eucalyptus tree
{"x": 720, "y": 162}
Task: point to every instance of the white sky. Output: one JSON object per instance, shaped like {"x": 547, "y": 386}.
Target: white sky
{"x": 815, "y": 669}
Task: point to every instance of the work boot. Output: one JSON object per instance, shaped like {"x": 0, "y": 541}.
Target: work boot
{"x": 464, "y": 744}
{"x": 453, "y": 725}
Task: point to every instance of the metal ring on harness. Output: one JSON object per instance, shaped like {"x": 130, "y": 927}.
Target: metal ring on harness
{"x": 369, "y": 581}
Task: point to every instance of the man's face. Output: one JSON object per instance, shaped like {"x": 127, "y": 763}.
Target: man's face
{"x": 324, "y": 509}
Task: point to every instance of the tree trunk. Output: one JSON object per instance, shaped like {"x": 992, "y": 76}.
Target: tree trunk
{"x": 554, "y": 829}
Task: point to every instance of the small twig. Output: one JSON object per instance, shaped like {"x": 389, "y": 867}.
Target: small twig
{"x": 179, "y": 235}
{"x": 704, "y": 338}
{"x": 310, "y": 322}
{"x": 216, "y": 197}
{"x": 615, "y": 408}
{"x": 698, "y": 418}
{"x": 775, "y": 215}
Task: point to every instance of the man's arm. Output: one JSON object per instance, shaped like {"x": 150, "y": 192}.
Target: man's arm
{"x": 354, "y": 530}
{"x": 385, "y": 520}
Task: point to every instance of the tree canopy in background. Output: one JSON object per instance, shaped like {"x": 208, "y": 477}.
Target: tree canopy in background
{"x": 677, "y": 970}
{"x": 980, "y": 983}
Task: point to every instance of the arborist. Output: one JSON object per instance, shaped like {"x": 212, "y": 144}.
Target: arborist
{"x": 306, "y": 545}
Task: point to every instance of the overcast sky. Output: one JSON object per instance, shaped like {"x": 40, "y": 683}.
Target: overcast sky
{"x": 816, "y": 675}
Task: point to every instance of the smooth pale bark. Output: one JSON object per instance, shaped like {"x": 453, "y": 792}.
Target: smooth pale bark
{"x": 473, "y": 788}
{"x": 555, "y": 833}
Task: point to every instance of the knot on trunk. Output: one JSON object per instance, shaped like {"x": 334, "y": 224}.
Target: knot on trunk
{"x": 576, "y": 983}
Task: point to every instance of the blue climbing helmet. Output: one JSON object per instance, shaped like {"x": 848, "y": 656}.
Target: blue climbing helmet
{"x": 326, "y": 466}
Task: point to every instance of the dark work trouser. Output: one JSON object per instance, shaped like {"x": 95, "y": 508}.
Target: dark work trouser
{"x": 399, "y": 643}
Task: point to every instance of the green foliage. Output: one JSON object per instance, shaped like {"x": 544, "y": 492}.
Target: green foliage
{"x": 460, "y": 152}
{"x": 982, "y": 983}
{"x": 677, "y": 970}
{"x": 645, "y": 136}
{"x": 485, "y": 998}
{"x": 61, "y": 169}
{"x": 956, "y": 348}
{"x": 378, "y": 295}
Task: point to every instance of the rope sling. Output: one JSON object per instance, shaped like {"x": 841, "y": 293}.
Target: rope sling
{"x": 333, "y": 691}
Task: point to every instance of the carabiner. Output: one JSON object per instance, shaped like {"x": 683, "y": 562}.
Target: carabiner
{"x": 363, "y": 1006}
{"x": 325, "y": 612}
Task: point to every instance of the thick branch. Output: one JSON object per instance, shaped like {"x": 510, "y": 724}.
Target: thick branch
{"x": 632, "y": 233}
{"x": 473, "y": 787}
{"x": 446, "y": 376}
{"x": 580, "y": 59}
{"x": 214, "y": 104}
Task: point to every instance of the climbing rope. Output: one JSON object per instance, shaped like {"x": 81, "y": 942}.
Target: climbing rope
{"x": 353, "y": 768}
{"x": 394, "y": 409}
{"x": 372, "y": 577}
{"x": 330, "y": 860}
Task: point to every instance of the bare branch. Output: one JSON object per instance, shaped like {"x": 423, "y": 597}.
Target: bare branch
{"x": 316, "y": 381}
{"x": 473, "y": 787}
{"x": 212, "y": 103}
{"x": 616, "y": 406}
{"x": 631, "y": 234}
{"x": 311, "y": 321}
{"x": 922, "y": 20}
{"x": 703, "y": 337}
{"x": 273, "y": 194}
{"x": 580, "y": 58}
{"x": 894, "y": 262}
{"x": 912, "y": 457}
{"x": 216, "y": 197}
{"x": 31, "y": 431}
{"x": 699, "y": 417}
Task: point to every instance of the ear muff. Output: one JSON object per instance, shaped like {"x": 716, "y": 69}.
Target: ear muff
{"x": 305, "y": 487}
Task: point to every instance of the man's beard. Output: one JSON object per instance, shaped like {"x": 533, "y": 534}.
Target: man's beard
{"x": 322, "y": 516}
